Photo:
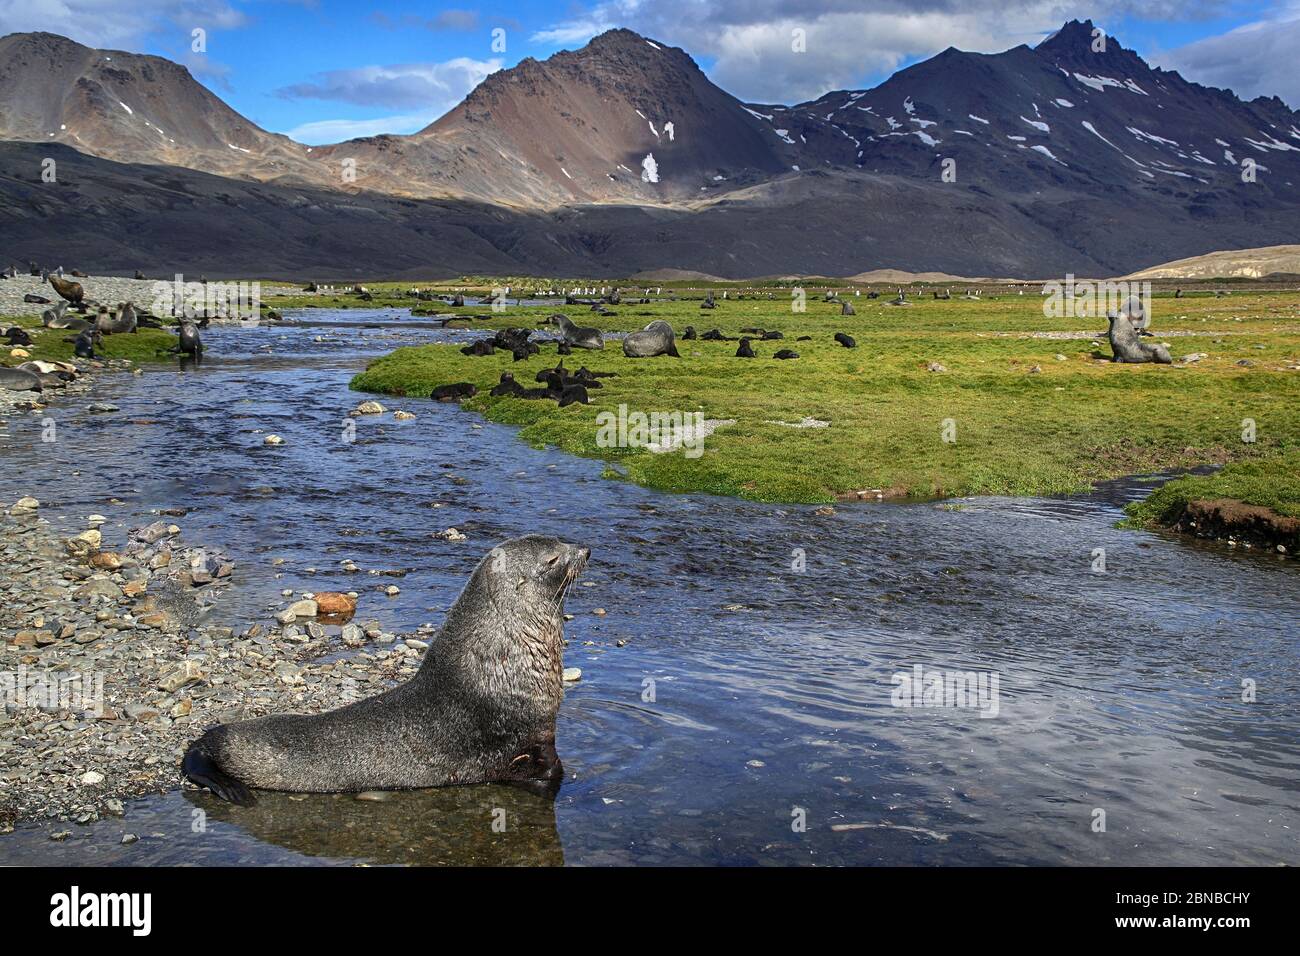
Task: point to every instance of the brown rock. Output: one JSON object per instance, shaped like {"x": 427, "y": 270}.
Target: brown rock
{"x": 333, "y": 602}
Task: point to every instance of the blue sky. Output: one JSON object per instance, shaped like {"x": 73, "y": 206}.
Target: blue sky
{"x": 324, "y": 70}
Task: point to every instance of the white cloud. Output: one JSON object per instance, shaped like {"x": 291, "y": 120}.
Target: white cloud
{"x": 746, "y": 44}
{"x": 1257, "y": 59}
{"x": 116, "y": 23}
{"x": 321, "y": 132}
{"x": 414, "y": 86}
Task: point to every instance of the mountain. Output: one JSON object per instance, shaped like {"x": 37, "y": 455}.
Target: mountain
{"x": 624, "y": 119}
{"x": 133, "y": 108}
{"x": 1236, "y": 264}
{"x": 623, "y": 156}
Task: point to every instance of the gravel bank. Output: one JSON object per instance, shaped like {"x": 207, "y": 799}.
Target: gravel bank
{"x": 120, "y": 629}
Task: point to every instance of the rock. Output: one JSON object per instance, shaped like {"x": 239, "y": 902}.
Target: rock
{"x": 303, "y": 608}
{"x": 392, "y": 590}
{"x": 24, "y": 505}
{"x": 182, "y": 708}
{"x": 416, "y": 645}
{"x": 129, "y": 838}
{"x": 102, "y": 407}
{"x": 288, "y": 673}
{"x": 91, "y": 777}
{"x": 370, "y": 408}
{"x": 333, "y": 602}
{"x": 286, "y": 617}
{"x": 374, "y": 796}
{"x": 138, "y": 711}
{"x": 403, "y": 416}
{"x": 187, "y": 673}
{"x": 572, "y": 674}
{"x": 935, "y": 367}
{"x": 106, "y": 561}
{"x": 451, "y": 534}
{"x": 1060, "y": 358}
{"x": 272, "y": 440}
{"x": 353, "y": 635}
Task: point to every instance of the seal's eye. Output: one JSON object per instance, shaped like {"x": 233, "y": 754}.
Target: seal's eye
{"x": 550, "y": 562}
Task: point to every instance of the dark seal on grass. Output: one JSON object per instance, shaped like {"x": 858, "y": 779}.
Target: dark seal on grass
{"x": 480, "y": 709}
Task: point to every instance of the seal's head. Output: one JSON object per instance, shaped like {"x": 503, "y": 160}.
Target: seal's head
{"x": 533, "y": 572}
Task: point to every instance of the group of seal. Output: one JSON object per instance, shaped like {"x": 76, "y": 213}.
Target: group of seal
{"x": 480, "y": 709}
{"x": 560, "y": 385}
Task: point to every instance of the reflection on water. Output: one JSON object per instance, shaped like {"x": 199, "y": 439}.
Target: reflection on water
{"x": 724, "y": 696}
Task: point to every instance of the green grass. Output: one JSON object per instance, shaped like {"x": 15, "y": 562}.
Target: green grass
{"x": 1018, "y": 433}
{"x": 48, "y": 345}
{"x": 1273, "y": 483}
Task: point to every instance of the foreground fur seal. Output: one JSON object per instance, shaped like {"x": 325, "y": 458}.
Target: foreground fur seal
{"x": 481, "y": 707}
{"x": 1127, "y": 347}
{"x": 655, "y": 339}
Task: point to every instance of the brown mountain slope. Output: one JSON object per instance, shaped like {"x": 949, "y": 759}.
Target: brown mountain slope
{"x": 1229, "y": 264}
{"x": 133, "y": 108}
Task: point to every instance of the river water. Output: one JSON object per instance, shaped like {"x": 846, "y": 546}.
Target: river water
{"x": 732, "y": 709}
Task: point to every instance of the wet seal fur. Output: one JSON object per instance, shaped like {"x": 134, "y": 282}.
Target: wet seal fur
{"x": 655, "y": 339}
{"x": 480, "y": 709}
{"x": 1126, "y": 345}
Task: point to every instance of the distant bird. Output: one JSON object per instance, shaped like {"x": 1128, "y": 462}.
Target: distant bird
{"x": 68, "y": 290}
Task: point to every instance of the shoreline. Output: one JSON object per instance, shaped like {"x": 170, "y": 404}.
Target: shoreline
{"x": 131, "y": 616}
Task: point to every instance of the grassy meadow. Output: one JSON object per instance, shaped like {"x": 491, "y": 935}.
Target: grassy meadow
{"x": 1032, "y": 415}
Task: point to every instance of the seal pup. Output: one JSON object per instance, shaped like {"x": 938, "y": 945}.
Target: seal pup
{"x": 86, "y": 343}
{"x": 786, "y": 354}
{"x": 455, "y": 392}
{"x": 576, "y": 336}
{"x": 846, "y": 340}
{"x": 480, "y": 709}
{"x": 745, "y": 350}
{"x": 846, "y": 308}
{"x": 708, "y": 302}
{"x": 655, "y": 339}
{"x": 19, "y": 380}
{"x": 1127, "y": 347}
{"x": 17, "y": 336}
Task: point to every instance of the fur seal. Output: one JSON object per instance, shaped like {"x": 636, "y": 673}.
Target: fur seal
{"x": 786, "y": 354}
{"x": 1127, "y": 347}
{"x": 745, "y": 350}
{"x": 68, "y": 290}
{"x": 846, "y": 308}
{"x": 455, "y": 392}
{"x": 846, "y": 340}
{"x": 1136, "y": 313}
{"x": 481, "y": 708}
{"x": 190, "y": 343}
{"x": 52, "y": 318}
{"x": 481, "y": 347}
{"x": 19, "y": 380}
{"x": 89, "y": 340}
{"x": 655, "y": 339}
{"x": 708, "y": 302}
{"x": 689, "y": 333}
{"x": 576, "y": 336}
{"x": 17, "y": 336}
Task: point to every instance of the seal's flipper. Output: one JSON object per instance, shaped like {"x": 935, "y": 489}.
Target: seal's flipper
{"x": 199, "y": 768}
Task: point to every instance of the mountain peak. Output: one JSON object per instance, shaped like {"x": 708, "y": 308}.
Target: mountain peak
{"x": 1075, "y": 34}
